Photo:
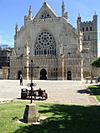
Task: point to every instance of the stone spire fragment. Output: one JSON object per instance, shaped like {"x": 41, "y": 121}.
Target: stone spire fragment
{"x": 63, "y": 9}
{"x": 16, "y": 29}
{"x": 30, "y": 13}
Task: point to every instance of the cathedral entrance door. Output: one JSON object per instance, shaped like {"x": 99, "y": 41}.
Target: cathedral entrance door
{"x": 43, "y": 74}
{"x": 19, "y": 73}
{"x": 69, "y": 75}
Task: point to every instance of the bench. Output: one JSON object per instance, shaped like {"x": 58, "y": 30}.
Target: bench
{"x": 36, "y": 94}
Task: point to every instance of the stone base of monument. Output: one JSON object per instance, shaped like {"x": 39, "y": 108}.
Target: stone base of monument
{"x": 31, "y": 114}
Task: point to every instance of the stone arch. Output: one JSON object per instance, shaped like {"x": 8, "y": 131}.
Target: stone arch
{"x": 43, "y": 74}
{"x": 69, "y": 75}
{"x": 45, "y": 44}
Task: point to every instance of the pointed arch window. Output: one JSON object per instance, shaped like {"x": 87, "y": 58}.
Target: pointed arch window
{"x": 83, "y": 29}
{"x": 90, "y": 28}
{"x": 86, "y": 28}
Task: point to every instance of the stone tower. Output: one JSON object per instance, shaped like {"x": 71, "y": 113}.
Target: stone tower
{"x": 89, "y": 45}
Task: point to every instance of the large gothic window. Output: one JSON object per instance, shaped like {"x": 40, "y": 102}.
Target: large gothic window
{"x": 45, "y": 44}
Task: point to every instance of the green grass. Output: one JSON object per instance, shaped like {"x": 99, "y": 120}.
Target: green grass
{"x": 60, "y": 119}
{"x": 95, "y": 90}
{"x": 98, "y": 97}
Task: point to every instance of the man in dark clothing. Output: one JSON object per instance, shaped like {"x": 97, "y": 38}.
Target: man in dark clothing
{"x": 21, "y": 79}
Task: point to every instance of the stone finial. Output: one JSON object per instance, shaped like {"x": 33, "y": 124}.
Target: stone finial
{"x": 78, "y": 23}
{"x": 16, "y": 29}
{"x": 44, "y": 1}
{"x": 30, "y": 13}
{"x": 95, "y": 21}
{"x": 95, "y": 17}
{"x": 79, "y": 17}
{"x": 64, "y": 14}
{"x": 63, "y": 8}
{"x": 25, "y": 20}
{"x": 63, "y": 5}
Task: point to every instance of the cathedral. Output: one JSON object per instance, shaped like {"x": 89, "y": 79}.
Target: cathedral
{"x": 55, "y": 49}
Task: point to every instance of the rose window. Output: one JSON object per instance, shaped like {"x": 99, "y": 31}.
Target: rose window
{"x": 45, "y": 44}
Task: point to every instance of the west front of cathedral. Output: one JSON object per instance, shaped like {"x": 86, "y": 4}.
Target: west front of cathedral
{"x": 61, "y": 51}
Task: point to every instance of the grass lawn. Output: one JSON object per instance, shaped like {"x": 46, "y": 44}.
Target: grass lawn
{"x": 95, "y": 90}
{"x": 61, "y": 119}
{"x": 98, "y": 97}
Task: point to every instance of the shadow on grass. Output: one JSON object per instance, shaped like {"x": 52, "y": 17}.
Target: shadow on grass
{"x": 66, "y": 119}
{"x": 94, "y": 90}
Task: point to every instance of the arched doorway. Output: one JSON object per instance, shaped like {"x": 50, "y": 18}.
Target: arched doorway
{"x": 43, "y": 74}
{"x": 19, "y": 73}
{"x": 69, "y": 75}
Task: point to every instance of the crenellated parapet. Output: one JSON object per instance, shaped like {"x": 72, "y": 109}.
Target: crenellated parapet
{"x": 87, "y": 25}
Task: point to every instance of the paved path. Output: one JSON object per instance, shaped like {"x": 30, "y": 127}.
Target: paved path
{"x": 63, "y": 92}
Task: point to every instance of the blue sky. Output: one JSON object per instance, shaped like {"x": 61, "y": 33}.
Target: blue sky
{"x": 12, "y": 11}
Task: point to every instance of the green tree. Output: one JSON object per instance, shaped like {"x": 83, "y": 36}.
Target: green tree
{"x": 96, "y": 63}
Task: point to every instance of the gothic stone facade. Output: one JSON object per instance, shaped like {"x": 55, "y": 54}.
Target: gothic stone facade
{"x": 60, "y": 50}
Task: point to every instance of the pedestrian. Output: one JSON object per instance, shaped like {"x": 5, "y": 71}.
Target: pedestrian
{"x": 21, "y": 79}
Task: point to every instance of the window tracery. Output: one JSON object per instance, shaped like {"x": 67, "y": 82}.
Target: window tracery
{"x": 45, "y": 44}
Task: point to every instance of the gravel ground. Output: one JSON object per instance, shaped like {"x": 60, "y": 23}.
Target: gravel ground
{"x": 62, "y": 92}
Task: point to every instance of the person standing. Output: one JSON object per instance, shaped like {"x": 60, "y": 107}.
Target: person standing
{"x": 21, "y": 79}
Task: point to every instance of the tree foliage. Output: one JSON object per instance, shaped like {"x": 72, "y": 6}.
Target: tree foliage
{"x": 96, "y": 63}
